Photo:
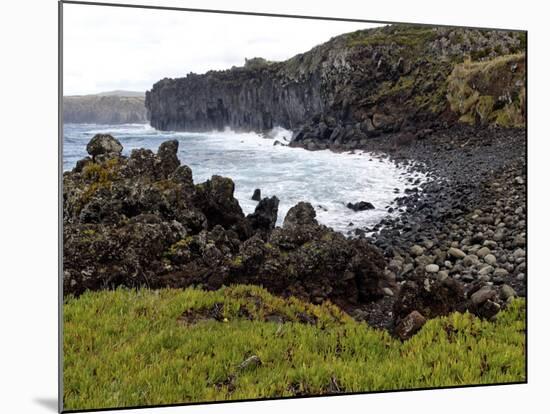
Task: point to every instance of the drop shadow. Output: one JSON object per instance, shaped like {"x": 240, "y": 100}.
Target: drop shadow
{"x": 49, "y": 403}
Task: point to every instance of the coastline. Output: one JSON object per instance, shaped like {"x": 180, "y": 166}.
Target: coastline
{"x": 475, "y": 200}
{"x": 447, "y": 212}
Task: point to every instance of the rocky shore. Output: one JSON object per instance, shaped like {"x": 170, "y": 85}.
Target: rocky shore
{"x": 457, "y": 244}
{"x": 449, "y": 102}
{"x": 466, "y": 224}
{"x": 142, "y": 221}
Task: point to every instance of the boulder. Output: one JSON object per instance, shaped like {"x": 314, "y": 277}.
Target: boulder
{"x": 483, "y": 303}
{"x": 431, "y": 298}
{"x": 215, "y": 198}
{"x": 103, "y": 144}
{"x": 367, "y": 127}
{"x": 482, "y": 295}
{"x": 168, "y": 157}
{"x": 417, "y": 250}
{"x": 484, "y": 251}
{"x": 360, "y": 206}
{"x": 406, "y": 138}
{"x": 490, "y": 259}
{"x": 301, "y": 214}
{"x": 257, "y": 196}
{"x": 183, "y": 175}
{"x": 265, "y": 214}
{"x": 432, "y": 268}
{"x": 250, "y": 363}
{"x": 470, "y": 260}
{"x": 410, "y": 325}
{"x": 456, "y": 253}
{"x": 507, "y": 292}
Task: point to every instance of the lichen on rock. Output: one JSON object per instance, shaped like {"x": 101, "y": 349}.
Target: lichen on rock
{"x": 141, "y": 221}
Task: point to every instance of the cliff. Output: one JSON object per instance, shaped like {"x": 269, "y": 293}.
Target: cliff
{"x": 109, "y": 108}
{"x": 358, "y": 84}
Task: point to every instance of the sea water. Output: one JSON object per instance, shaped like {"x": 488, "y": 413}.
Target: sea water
{"x": 326, "y": 179}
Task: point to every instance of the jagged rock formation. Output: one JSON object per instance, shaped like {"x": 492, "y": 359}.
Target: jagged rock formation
{"x": 355, "y": 86}
{"x": 142, "y": 221}
{"x": 104, "y": 109}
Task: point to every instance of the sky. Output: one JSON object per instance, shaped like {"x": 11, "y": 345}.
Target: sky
{"x": 111, "y": 48}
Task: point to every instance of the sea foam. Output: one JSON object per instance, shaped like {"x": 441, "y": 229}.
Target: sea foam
{"x": 326, "y": 179}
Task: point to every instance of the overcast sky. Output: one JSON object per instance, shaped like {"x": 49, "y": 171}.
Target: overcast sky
{"x": 109, "y": 48}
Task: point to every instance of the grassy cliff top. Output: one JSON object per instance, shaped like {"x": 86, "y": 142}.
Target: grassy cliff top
{"x": 128, "y": 348}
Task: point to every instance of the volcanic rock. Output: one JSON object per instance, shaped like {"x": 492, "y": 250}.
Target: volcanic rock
{"x": 360, "y": 206}
{"x": 141, "y": 221}
{"x": 410, "y": 325}
{"x": 257, "y": 196}
{"x": 103, "y": 144}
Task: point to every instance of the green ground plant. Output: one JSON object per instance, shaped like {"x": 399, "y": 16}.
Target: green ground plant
{"x": 490, "y": 91}
{"x": 409, "y": 36}
{"x": 151, "y": 347}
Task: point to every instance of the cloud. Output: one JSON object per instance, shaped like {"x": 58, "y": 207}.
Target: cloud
{"x": 108, "y": 48}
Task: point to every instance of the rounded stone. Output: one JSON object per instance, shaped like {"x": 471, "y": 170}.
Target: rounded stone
{"x": 485, "y": 270}
{"x": 417, "y": 250}
{"x": 482, "y": 295}
{"x": 490, "y": 259}
{"x": 506, "y": 292}
{"x": 518, "y": 253}
{"x": 456, "y": 253}
{"x": 484, "y": 251}
{"x": 103, "y": 144}
{"x": 500, "y": 272}
{"x": 470, "y": 260}
{"x": 442, "y": 275}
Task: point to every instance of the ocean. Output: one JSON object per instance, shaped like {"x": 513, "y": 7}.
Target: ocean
{"x": 326, "y": 179}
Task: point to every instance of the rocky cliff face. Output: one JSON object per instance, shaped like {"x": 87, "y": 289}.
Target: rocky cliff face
{"x": 104, "y": 109}
{"x": 354, "y": 86}
{"x": 256, "y": 98}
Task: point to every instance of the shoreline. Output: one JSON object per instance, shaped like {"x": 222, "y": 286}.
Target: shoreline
{"x": 355, "y": 177}
{"x": 446, "y": 226}
{"x": 475, "y": 202}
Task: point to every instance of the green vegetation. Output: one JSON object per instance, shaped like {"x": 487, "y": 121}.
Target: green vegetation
{"x": 523, "y": 41}
{"x": 256, "y": 63}
{"x": 408, "y": 36}
{"x": 165, "y": 185}
{"x": 127, "y": 347}
{"x": 99, "y": 175}
{"x": 426, "y": 92}
{"x": 182, "y": 244}
{"x": 491, "y": 91}
{"x": 403, "y": 85}
{"x": 237, "y": 261}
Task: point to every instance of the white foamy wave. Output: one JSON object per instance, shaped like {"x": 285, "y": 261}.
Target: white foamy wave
{"x": 280, "y": 134}
{"x": 119, "y": 128}
{"x": 325, "y": 179}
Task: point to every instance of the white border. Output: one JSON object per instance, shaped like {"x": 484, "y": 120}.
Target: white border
{"x": 28, "y": 230}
